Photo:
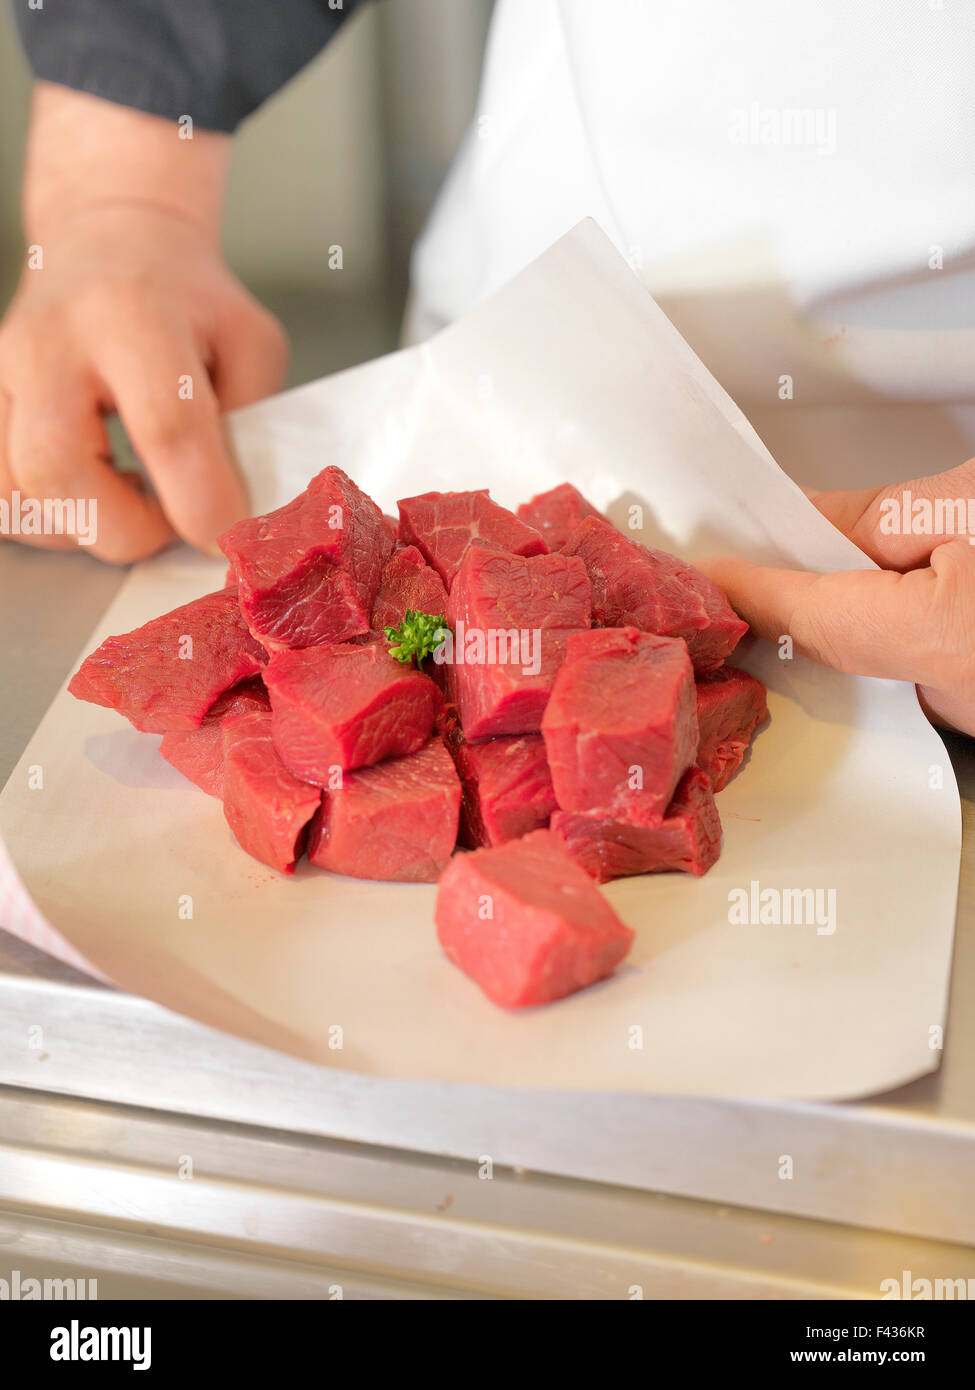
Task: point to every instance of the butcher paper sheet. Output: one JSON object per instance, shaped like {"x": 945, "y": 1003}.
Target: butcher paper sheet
{"x": 845, "y": 815}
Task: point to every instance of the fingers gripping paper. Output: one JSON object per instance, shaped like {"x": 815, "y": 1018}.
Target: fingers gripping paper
{"x": 846, "y": 817}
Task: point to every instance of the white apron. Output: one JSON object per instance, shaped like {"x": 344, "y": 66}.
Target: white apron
{"x": 795, "y": 183}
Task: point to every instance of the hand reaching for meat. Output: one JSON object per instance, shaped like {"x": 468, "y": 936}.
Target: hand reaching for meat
{"x": 126, "y": 305}
{"x": 913, "y": 621}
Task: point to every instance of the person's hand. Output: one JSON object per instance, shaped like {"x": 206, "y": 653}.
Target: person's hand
{"x": 914, "y": 620}
{"x": 133, "y": 311}
{"x": 128, "y": 308}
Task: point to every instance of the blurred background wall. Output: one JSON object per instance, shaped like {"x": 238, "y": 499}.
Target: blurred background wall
{"x": 350, "y": 153}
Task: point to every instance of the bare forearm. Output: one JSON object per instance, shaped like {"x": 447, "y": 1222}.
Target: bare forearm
{"x": 83, "y": 152}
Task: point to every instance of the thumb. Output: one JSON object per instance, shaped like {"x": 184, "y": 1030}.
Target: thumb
{"x": 249, "y": 355}
{"x": 900, "y": 525}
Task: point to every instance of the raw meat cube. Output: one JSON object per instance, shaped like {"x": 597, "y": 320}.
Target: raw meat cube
{"x": 510, "y": 616}
{"x": 341, "y": 706}
{"x": 688, "y": 837}
{"x": 309, "y": 572}
{"x": 502, "y": 687}
{"x": 492, "y": 589}
{"x": 557, "y": 513}
{"x": 267, "y": 809}
{"x": 198, "y": 753}
{"x": 443, "y": 524}
{"x": 407, "y": 582}
{"x": 730, "y": 706}
{"x": 526, "y": 923}
{"x": 507, "y": 787}
{"x": 655, "y": 592}
{"x": 392, "y": 526}
{"x": 621, "y": 726}
{"x": 396, "y": 821}
{"x": 167, "y": 674}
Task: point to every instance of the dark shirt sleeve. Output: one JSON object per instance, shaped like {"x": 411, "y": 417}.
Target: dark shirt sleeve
{"x": 213, "y": 60}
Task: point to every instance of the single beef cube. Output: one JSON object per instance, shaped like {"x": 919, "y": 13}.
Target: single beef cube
{"x": 511, "y": 616}
{"x": 557, "y": 513}
{"x": 507, "y": 786}
{"x": 340, "y": 706}
{"x": 396, "y": 821}
{"x": 443, "y": 524}
{"x": 620, "y": 728}
{"x": 267, "y": 809}
{"x": 392, "y": 526}
{"x": 309, "y": 572}
{"x": 526, "y": 923}
{"x": 688, "y": 837}
{"x": 730, "y": 706}
{"x": 167, "y": 674}
{"x": 198, "y": 753}
{"x": 496, "y": 591}
{"x": 655, "y": 592}
{"x": 407, "y": 582}
{"x": 501, "y": 685}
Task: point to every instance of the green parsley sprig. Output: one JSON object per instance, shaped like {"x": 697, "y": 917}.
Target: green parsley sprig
{"x": 416, "y": 636}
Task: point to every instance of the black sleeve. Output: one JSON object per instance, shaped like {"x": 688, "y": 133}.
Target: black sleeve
{"x": 214, "y": 60}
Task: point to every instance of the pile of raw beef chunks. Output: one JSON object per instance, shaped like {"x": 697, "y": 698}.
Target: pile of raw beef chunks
{"x": 573, "y": 728}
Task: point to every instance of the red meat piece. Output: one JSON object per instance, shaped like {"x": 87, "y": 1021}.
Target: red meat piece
{"x": 495, "y": 684}
{"x": 342, "y": 706}
{"x": 655, "y": 592}
{"x": 507, "y": 787}
{"x": 443, "y": 524}
{"x": 688, "y": 837}
{"x": 526, "y": 923}
{"x": 620, "y": 728}
{"x": 198, "y": 753}
{"x": 267, "y": 809}
{"x": 492, "y": 589}
{"x": 557, "y": 513}
{"x": 730, "y": 706}
{"x": 309, "y": 572}
{"x": 518, "y": 610}
{"x": 396, "y": 821}
{"x": 167, "y": 674}
{"x": 407, "y": 582}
